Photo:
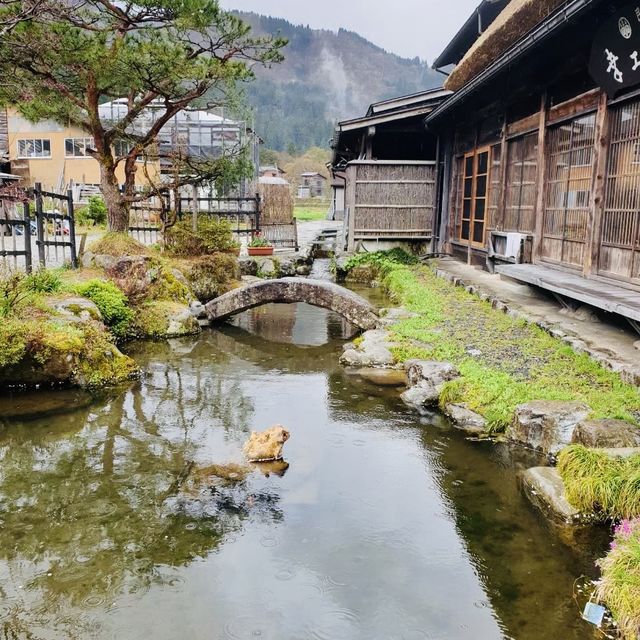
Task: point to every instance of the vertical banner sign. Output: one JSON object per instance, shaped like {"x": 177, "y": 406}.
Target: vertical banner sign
{"x": 615, "y": 56}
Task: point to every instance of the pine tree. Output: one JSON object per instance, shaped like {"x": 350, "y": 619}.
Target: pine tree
{"x": 63, "y": 62}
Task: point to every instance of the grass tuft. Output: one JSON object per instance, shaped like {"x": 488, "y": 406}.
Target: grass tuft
{"x": 118, "y": 245}
{"x": 595, "y": 481}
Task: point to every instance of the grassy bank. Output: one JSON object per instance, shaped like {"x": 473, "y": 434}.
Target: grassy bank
{"x": 504, "y": 362}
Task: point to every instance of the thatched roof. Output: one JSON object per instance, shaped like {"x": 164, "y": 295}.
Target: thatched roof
{"x": 513, "y": 23}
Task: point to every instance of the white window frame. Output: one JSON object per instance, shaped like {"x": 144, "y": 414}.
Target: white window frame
{"x": 33, "y": 141}
{"x": 84, "y": 142}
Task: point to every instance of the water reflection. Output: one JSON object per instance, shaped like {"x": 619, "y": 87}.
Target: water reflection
{"x": 385, "y": 525}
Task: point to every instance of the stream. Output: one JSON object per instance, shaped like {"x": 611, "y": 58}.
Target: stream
{"x": 386, "y": 525}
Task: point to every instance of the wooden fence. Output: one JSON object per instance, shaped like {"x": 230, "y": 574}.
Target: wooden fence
{"x": 388, "y": 200}
{"x": 53, "y": 225}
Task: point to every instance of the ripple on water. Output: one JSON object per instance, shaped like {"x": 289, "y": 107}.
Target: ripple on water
{"x": 336, "y": 624}
{"x": 268, "y": 541}
{"x": 94, "y": 601}
{"x": 285, "y": 574}
{"x": 243, "y": 628}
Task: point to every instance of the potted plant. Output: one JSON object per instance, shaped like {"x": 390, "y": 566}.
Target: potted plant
{"x": 234, "y": 248}
{"x": 259, "y": 246}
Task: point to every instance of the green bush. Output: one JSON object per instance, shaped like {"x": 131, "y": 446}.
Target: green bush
{"x": 94, "y": 213}
{"x": 212, "y": 235}
{"x": 111, "y": 302}
{"x": 43, "y": 281}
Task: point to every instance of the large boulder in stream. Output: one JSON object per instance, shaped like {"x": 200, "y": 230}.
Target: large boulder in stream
{"x": 372, "y": 349}
{"x": 547, "y": 425}
{"x": 545, "y": 490}
{"x": 426, "y": 381}
{"x": 607, "y": 433}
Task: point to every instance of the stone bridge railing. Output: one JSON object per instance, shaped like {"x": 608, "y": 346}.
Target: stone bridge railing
{"x": 318, "y": 293}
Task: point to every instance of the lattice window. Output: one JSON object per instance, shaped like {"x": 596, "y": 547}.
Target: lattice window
{"x": 456, "y": 195}
{"x": 522, "y": 171}
{"x": 569, "y": 179}
{"x": 620, "y": 235}
{"x": 494, "y": 186}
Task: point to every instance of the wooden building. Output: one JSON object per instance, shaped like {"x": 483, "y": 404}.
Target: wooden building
{"x": 312, "y": 185}
{"x": 385, "y": 164}
{"x": 541, "y": 149}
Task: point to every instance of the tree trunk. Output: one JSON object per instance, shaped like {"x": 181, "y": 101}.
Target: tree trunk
{"x": 117, "y": 207}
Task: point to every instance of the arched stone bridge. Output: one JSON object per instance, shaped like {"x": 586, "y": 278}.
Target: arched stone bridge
{"x": 318, "y": 293}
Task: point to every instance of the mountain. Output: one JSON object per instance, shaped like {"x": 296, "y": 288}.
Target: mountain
{"x": 326, "y": 77}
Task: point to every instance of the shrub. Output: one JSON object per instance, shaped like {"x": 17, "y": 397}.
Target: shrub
{"x": 596, "y": 481}
{"x": 111, "y": 302}
{"x": 43, "y": 281}
{"x": 94, "y": 213}
{"x": 13, "y": 294}
{"x": 212, "y": 235}
{"x": 619, "y": 586}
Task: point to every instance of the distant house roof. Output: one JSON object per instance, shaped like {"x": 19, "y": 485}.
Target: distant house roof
{"x": 271, "y": 180}
{"x": 272, "y": 167}
{"x": 481, "y": 18}
{"x": 312, "y": 174}
{"x": 416, "y": 104}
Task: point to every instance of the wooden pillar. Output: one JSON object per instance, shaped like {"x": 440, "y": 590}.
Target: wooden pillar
{"x": 350, "y": 198}
{"x": 594, "y": 222}
{"x": 502, "y": 202}
{"x": 541, "y": 179}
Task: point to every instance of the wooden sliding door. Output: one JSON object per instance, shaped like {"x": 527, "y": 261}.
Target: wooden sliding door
{"x": 475, "y": 194}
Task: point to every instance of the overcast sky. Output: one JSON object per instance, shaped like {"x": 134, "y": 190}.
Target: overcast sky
{"x": 409, "y": 28}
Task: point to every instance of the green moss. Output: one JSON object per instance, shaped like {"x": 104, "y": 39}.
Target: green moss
{"x": 111, "y": 302}
{"x": 211, "y": 276}
{"x": 49, "y": 350}
{"x": 150, "y": 322}
{"x": 118, "y": 245}
{"x": 165, "y": 285}
{"x": 100, "y": 362}
{"x": 597, "y": 482}
{"x": 512, "y": 362}
{"x": 619, "y": 586}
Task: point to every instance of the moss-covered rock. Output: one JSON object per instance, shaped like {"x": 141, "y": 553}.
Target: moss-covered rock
{"x": 55, "y": 350}
{"x": 210, "y": 276}
{"x": 163, "y": 319}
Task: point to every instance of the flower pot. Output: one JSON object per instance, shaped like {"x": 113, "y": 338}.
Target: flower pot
{"x": 260, "y": 251}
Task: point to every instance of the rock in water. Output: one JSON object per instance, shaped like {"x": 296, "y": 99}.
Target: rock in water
{"x": 266, "y": 445}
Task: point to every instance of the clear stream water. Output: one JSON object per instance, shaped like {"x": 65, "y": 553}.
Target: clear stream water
{"x": 385, "y": 525}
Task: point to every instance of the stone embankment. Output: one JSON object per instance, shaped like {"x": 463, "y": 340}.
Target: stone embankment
{"x": 544, "y": 426}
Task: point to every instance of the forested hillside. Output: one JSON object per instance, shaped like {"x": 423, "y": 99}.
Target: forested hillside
{"x": 326, "y": 77}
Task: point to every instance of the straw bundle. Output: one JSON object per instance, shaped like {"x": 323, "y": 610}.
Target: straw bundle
{"x": 515, "y": 21}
